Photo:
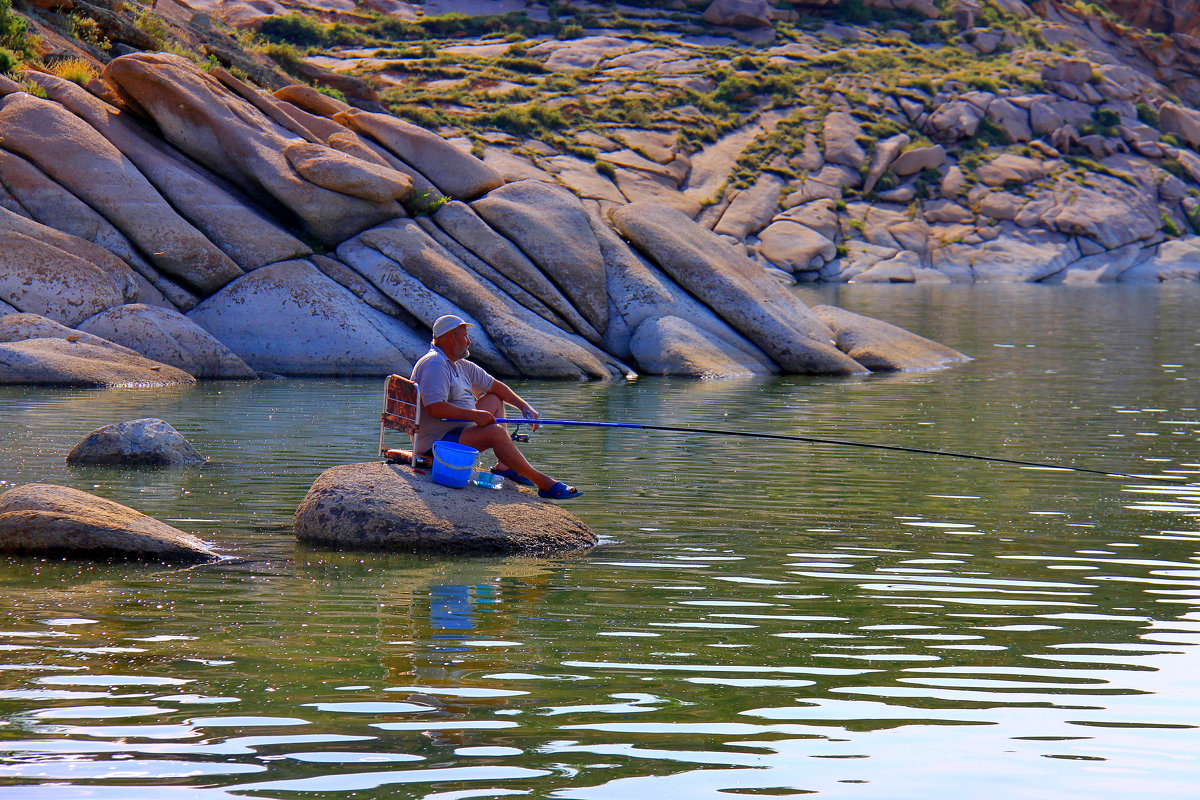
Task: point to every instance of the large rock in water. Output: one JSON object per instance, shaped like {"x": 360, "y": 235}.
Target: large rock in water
{"x": 62, "y": 362}
{"x": 41, "y": 519}
{"x": 880, "y": 346}
{"x": 736, "y": 288}
{"x": 138, "y": 443}
{"x": 169, "y": 337}
{"x": 378, "y": 506}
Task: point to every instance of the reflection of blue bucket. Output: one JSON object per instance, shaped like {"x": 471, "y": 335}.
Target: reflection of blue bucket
{"x": 452, "y": 463}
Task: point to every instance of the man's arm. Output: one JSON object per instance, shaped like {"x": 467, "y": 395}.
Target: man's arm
{"x": 445, "y": 410}
{"x": 502, "y": 390}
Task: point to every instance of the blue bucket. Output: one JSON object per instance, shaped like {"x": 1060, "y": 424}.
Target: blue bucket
{"x": 453, "y": 463}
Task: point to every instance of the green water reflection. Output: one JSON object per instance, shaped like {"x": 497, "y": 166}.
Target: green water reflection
{"x": 764, "y": 618}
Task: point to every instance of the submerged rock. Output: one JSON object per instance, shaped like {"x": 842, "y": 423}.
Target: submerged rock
{"x": 42, "y": 519}
{"x": 137, "y": 443}
{"x": 378, "y": 506}
{"x": 880, "y": 346}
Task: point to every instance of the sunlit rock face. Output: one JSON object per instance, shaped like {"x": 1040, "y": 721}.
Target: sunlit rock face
{"x": 176, "y": 211}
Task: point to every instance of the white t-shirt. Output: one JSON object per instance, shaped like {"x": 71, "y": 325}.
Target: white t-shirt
{"x": 441, "y": 380}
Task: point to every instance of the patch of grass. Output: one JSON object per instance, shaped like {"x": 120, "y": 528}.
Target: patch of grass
{"x": 1147, "y": 114}
{"x": 34, "y": 89}
{"x": 75, "y": 70}
{"x": 989, "y": 134}
{"x": 1169, "y": 226}
{"x": 1096, "y": 167}
{"x": 425, "y": 203}
{"x": 1175, "y": 167}
{"x": 87, "y": 30}
{"x": 152, "y": 24}
{"x": 299, "y": 30}
{"x": 336, "y": 94}
{"x": 285, "y": 55}
{"x": 523, "y": 120}
{"x": 10, "y": 63}
{"x": 606, "y": 169}
{"x": 14, "y": 37}
{"x": 424, "y": 116}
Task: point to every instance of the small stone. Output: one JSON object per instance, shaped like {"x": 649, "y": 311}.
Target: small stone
{"x": 138, "y": 443}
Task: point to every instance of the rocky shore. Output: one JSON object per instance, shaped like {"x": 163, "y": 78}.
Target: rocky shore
{"x": 628, "y": 196}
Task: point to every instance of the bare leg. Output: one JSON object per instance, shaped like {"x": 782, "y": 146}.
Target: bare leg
{"x": 495, "y": 438}
{"x": 495, "y": 406}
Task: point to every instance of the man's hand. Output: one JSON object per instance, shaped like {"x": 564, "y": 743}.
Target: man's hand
{"x": 482, "y": 418}
{"x": 530, "y": 413}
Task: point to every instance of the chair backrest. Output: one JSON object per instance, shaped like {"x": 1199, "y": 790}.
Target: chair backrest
{"x": 401, "y": 410}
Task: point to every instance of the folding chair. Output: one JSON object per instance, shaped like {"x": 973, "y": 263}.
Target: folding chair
{"x": 402, "y": 412}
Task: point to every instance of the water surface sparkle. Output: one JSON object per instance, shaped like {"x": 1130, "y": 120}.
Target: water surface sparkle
{"x": 765, "y": 618}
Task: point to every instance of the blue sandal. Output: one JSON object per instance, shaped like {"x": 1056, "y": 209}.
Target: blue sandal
{"x": 559, "y": 491}
{"x": 513, "y": 476}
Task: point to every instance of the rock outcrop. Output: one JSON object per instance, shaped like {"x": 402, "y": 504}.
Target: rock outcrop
{"x": 165, "y": 189}
{"x": 137, "y": 443}
{"x": 312, "y": 326}
{"x": 880, "y": 346}
{"x": 736, "y": 288}
{"x": 73, "y": 362}
{"x": 45, "y": 520}
{"x": 170, "y": 338}
{"x": 236, "y": 140}
{"x": 379, "y": 506}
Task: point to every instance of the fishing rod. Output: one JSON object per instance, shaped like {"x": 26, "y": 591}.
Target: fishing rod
{"x": 820, "y": 440}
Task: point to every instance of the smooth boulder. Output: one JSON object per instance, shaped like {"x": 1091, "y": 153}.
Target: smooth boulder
{"x": 736, "y": 288}
{"x": 62, "y": 362}
{"x": 455, "y": 172}
{"x": 75, "y": 155}
{"x": 42, "y": 279}
{"x": 42, "y": 519}
{"x": 137, "y": 443}
{"x": 168, "y": 337}
{"x": 880, "y": 346}
{"x": 379, "y": 506}
{"x": 291, "y": 319}
{"x": 549, "y": 225}
{"x": 669, "y": 345}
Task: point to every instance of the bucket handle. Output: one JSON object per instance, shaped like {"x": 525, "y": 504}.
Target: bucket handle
{"x": 474, "y": 463}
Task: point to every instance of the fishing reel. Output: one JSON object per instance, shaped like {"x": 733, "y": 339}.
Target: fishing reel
{"x": 517, "y": 436}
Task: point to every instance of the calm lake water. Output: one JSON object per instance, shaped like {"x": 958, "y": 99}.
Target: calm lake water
{"x": 761, "y": 618}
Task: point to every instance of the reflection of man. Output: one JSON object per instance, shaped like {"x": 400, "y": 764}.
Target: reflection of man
{"x": 454, "y": 389}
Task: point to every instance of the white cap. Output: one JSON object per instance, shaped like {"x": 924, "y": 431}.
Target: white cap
{"x": 445, "y": 324}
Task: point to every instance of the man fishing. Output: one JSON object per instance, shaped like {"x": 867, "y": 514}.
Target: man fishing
{"x": 456, "y": 392}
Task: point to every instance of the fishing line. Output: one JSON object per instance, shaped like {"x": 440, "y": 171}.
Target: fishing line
{"x": 842, "y": 442}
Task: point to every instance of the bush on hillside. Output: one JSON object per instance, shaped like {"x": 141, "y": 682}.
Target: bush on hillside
{"x": 294, "y": 29}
